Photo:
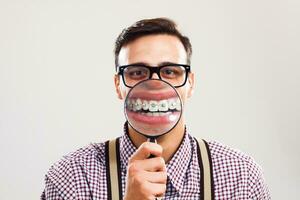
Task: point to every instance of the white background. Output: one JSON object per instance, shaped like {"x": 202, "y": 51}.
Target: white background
{"x": 57, "y": 92}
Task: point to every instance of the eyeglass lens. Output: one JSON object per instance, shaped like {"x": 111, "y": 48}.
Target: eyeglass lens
{"x": 175, "y": 75}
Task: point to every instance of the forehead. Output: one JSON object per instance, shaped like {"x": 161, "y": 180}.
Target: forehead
{"x": 153, "y": 50}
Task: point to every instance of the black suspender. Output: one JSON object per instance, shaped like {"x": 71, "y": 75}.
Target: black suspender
{"x": 113, "y": 171}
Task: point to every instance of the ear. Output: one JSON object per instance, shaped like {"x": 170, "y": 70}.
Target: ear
{"x": 191, "y": 81}
{"x": 118, "y": 86}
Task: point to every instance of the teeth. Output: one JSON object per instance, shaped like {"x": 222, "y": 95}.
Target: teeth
{"x": 128, "y": 103}
{"x": 149, "y": 114}
{"x": 153, "y": 106}
{"x": 178, "y": 105}
{"x": 132, "y": 105}
{"x": 155, "y": 114}
{"x": 138, "y": 105}
{"x": 164, "y": 113}
{"x": 145, "y": 105}
{"x": 163, "y": 105}
{"x": 171, "y": 104}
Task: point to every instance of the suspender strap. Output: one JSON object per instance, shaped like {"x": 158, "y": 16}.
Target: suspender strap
{"x": 206, "y": 182}
{"x": 113, "y": 172}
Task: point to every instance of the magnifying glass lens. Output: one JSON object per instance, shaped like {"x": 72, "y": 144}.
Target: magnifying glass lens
{"x": 153, "y": 107}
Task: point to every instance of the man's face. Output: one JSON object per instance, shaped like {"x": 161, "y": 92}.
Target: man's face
{"x": 153, "y": 50}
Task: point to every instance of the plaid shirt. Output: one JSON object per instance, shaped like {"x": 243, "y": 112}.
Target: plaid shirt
{"x": 82, "y": 174}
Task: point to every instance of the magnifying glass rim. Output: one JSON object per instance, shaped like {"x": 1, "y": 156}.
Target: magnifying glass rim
{"x": 156, "y": 136}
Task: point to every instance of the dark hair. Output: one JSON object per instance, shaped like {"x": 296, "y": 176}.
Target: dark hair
{"x": 149, "y": 27}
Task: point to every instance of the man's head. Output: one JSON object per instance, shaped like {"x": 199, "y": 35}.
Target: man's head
{"x": 148, "y": 27}
{"x": 154, "y": 43}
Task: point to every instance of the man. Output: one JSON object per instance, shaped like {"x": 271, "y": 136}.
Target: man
{"x": 175, "y": 171}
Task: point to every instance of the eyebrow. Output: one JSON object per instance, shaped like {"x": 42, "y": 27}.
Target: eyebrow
{"x": 147, "y": 64}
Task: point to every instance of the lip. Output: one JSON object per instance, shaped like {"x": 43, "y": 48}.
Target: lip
{"x": 153, "y": 95}
{"x": 153, "y": 120}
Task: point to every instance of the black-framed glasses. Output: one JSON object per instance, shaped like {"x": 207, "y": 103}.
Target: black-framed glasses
{"x": 175, "y": 74}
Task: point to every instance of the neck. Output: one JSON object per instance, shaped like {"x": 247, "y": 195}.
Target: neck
{"x": 169, "y": 142}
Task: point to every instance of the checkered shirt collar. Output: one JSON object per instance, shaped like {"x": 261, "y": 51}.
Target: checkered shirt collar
{"x": 127, "y": 148}
{"x": 176, "y": 167}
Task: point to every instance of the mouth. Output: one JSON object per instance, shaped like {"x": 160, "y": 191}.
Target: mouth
{"x": 154, "y": 111}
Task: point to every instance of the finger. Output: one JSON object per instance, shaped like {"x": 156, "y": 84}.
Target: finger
{"x": 152, "y": 164}
{"x": 145, "y": 150}
{"x": 156, "y": 177}
{"x": 157, "y": 189}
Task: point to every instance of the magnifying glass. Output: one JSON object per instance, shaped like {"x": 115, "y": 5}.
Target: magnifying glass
{"x": 153, "y": 108}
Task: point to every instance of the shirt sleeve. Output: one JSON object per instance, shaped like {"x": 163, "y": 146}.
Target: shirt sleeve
{"x": 258, "y": 187}
{"x": 50, "y": 192}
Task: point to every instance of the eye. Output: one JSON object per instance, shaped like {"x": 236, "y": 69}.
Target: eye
{"x": 136, "y": 72}
{"x": 172, "y": 71}
{"x": 168, "y": 71}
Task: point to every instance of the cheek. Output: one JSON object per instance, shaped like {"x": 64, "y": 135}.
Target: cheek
{"x": 183, "y": 93}
{"x": 124, "y": 91}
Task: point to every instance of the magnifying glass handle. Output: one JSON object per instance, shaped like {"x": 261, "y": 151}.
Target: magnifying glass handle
{"x": 151, "y": 139}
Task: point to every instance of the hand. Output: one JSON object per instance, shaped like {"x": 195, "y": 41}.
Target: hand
{"x": 146, "y": 177}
